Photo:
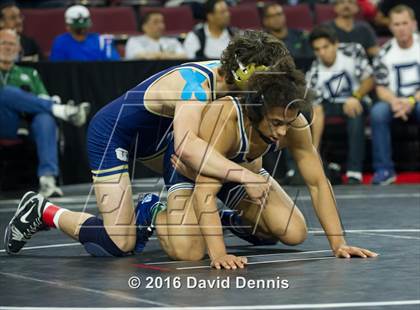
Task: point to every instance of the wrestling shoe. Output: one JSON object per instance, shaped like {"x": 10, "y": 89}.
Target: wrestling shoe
{"x": 26, "y": 222}
{"x": 231, "y": 220}
{"x": 146, "y": 209}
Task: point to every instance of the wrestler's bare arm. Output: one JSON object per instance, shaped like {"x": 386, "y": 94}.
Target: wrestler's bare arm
{"x": 310, "y": 166}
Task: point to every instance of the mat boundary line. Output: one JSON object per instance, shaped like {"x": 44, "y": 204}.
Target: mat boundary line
{"x": 255, "y": 307}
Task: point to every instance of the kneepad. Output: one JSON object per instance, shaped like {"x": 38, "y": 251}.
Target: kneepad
{"x": 96, "y": 240}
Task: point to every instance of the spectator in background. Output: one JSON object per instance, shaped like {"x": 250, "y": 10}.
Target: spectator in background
{"x": 78, "y": 44}
{"x": 397, "y": 72}
{"x": 209, "y": 39}
{"x": 152, "y": 45}
{"x": 341, "y": 77}
{"x": 11, "y": 18}
{"x": 274, "y": 21}
{"x": 385, "y": 6}
{"x": 349, "y": 30}
{"x": 17, "y": 105}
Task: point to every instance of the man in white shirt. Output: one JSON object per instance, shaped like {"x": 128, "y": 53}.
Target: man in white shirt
{"x": 152, "y": 45}
{"x": 209, "y": 39}
{"x": 397, "y": 73}
{"x": 341, "y": 77}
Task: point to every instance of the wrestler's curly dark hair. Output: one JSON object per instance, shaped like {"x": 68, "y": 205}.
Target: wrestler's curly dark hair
{"x": 277, "y": 88}
{"x": 256, "y": 47}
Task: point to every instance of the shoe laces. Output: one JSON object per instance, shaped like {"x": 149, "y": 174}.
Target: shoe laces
{"x": 16, "y": 234}
{"x": 33, "y": 228}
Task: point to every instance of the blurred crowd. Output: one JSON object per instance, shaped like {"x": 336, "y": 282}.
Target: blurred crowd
{"x": 366, "y": 59}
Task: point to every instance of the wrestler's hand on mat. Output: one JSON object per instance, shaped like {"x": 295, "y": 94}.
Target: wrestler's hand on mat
{"x": 346, "y": 251}
{"x": 257, "y": 188}
{"x": 182, "y": 168}
{"x": 227, "y": 261}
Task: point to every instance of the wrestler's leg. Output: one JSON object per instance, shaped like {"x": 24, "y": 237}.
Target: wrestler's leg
{"x": 178, "y": 230}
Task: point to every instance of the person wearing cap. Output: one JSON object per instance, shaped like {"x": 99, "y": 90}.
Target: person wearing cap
{"x": 78, "y": 43}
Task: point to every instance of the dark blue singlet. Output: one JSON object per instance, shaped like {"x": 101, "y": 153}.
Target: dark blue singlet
{"x": 118, "y": 125}
{"x": 230, "y": 193}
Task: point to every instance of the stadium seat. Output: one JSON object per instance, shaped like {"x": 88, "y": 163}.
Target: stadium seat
{"x": 115, "y": 20}
{"x": 177, "y": 19}
{"x": 383, "y": 39}
{"x": 298, "y": 16}
{"x": 245, "y": 17}
{"x": 44, "y": 25}
{"x": 325, "y": 12}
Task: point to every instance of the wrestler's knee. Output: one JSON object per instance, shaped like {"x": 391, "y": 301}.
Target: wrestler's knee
{"x": 124, "y": 243}
{"x": 295, "y": 233}
{"x": 189, "y": 250}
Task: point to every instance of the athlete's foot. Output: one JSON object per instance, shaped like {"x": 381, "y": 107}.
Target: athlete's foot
{"x": 144, "y": 218}
{"x": 26, "y": 222}
{"x": 231, "y": 220}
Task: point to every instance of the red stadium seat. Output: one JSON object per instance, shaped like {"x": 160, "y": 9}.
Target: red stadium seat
{"x": 383, "y": 39}
{"x": 177, "y": 19}
{"x": 298, "y": 16}
{"x": 325, "y": 13}
{"x": 245, "y": 17}
{"x": 44, "y": 25}
{"x": 115, "y": 20}
{"x": 254, "y": 2}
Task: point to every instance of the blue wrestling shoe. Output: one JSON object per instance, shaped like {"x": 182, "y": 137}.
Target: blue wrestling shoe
{"x": 146, "y": 209}
{"x": 231, "y": 220}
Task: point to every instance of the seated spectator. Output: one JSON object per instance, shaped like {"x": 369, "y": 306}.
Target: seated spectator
{"x": 17, "y": 105}
{"x": 152, "y": 45}
{"x": 12, "y": 18}
{"x": 341, "y": 77}
{"x": 349, "y": 30}
{"x": 385, "y": 6}
{"x": 209, "y": 39}
{"x": 397, "y": 72}
{"x": 274, "y": 21}
{"x": 78, "y": 44}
